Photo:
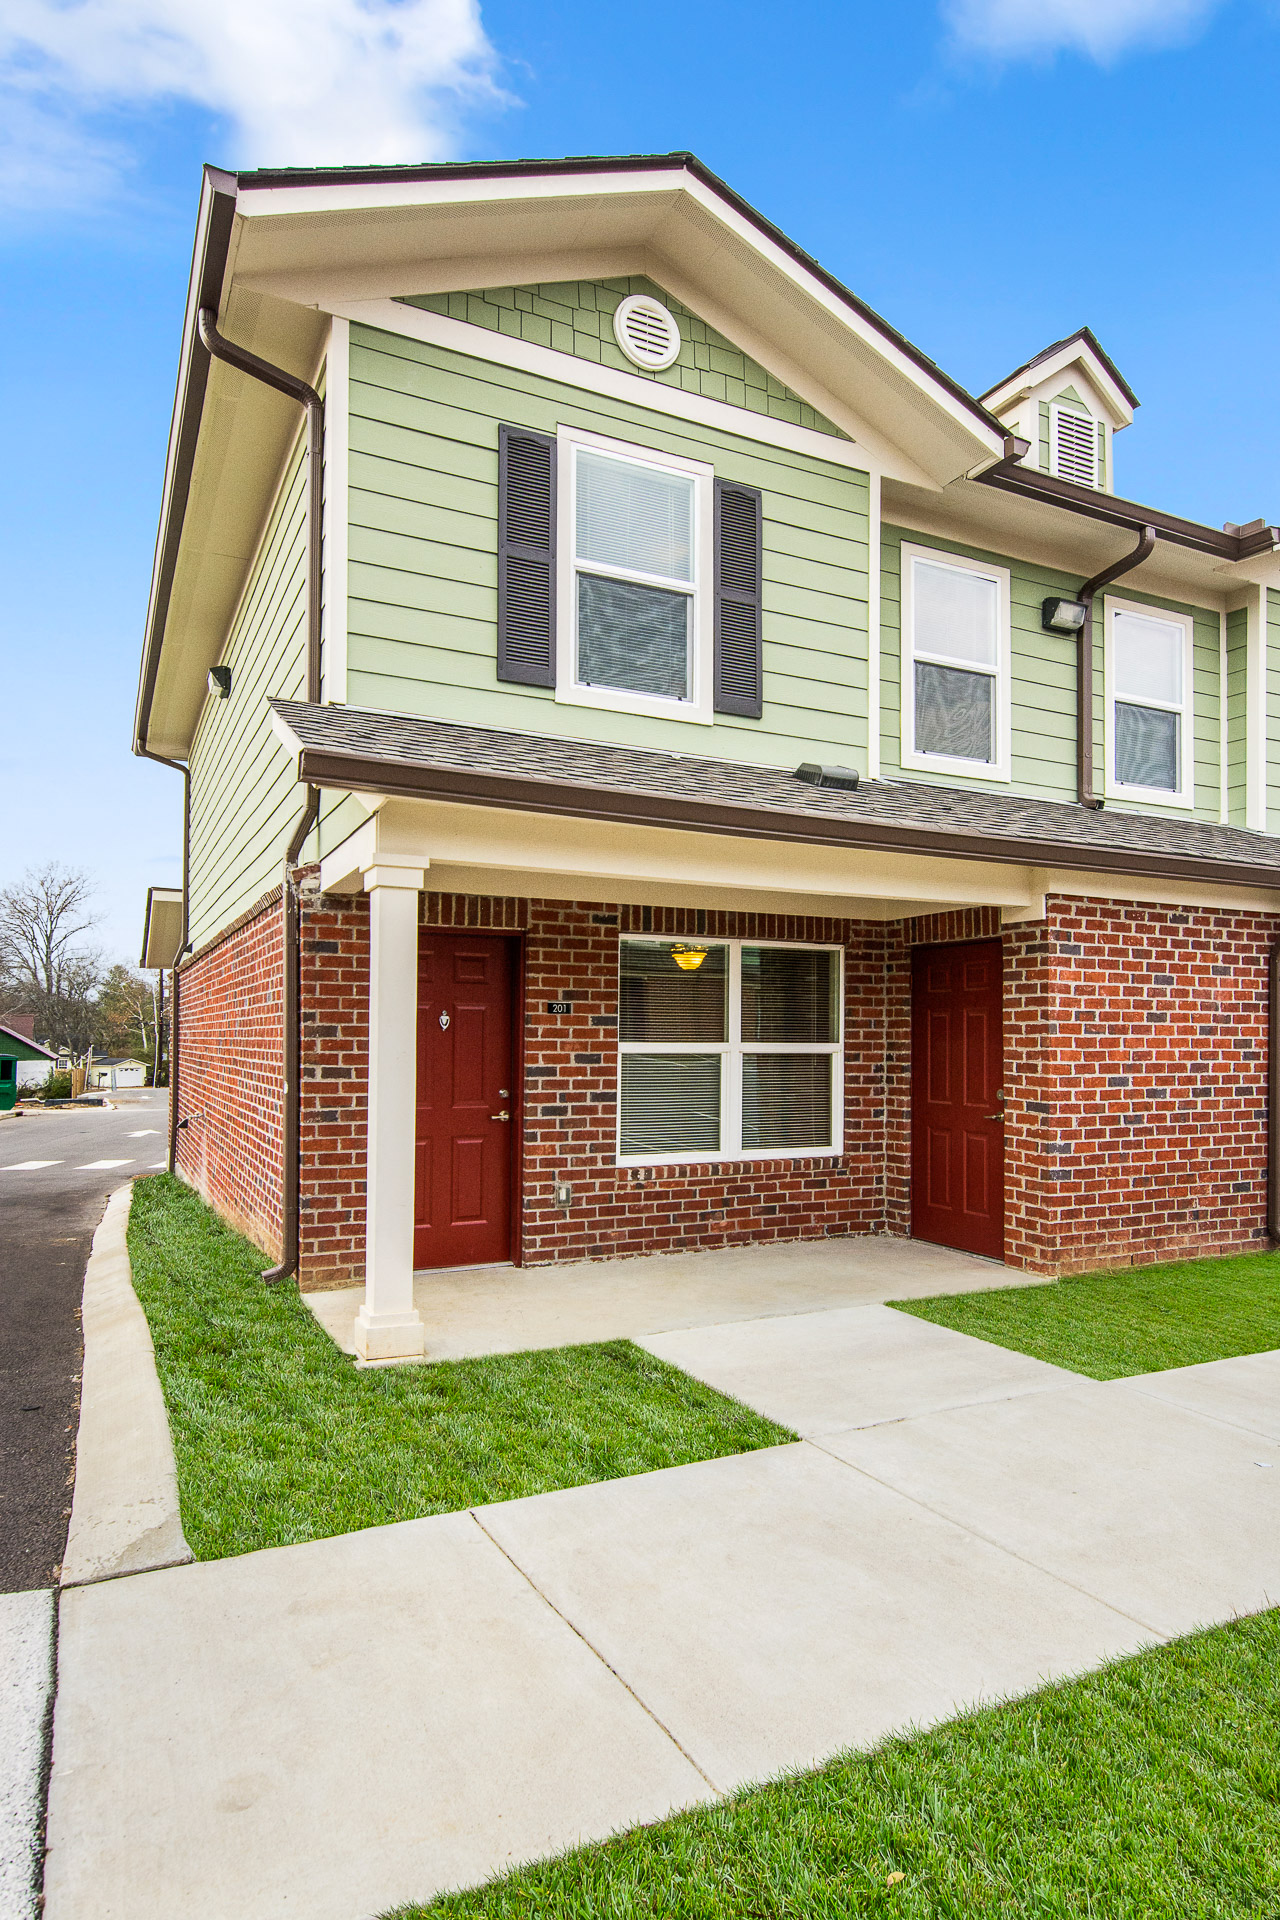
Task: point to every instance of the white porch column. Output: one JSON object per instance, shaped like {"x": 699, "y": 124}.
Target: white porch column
{"x": 388, "y": 1326}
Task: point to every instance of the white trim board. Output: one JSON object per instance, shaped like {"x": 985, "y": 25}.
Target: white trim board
{"x": 337, "y": 513}
{"x": 568, "y": 369}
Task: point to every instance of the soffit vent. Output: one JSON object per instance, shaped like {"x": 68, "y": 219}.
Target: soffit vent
{"x": 1075, "y": 447}
{"x": 646, "y": 332}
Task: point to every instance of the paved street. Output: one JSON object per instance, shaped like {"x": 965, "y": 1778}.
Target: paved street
{"x": 56, "y": 1170}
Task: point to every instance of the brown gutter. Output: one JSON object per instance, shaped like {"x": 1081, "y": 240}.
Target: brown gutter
{"x": 291, "y": 1116}
{"x": 1273, "y": 1096}
{"x": 1084, "y": 665}
{"x": 208, "y": 267}
{"x": 369, "y": 774}
{"x": 1046, "y": 489}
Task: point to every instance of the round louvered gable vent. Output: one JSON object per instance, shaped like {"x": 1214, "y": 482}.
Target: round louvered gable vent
{"x": 646, "y": 332}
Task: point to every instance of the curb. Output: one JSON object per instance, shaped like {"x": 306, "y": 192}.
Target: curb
{"x": 125, "y": 1516}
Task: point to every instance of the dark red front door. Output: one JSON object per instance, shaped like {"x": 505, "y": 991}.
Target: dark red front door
{"x": 957, "y": 1081}
{"x": 462, "y": 1187}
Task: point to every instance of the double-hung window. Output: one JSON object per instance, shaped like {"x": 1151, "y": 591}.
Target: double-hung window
{"x": 635, "y": 602}
{"x": 728, "y": 1049}
{"x": 955, "y": 664}
{"x": 1149, "y": 691}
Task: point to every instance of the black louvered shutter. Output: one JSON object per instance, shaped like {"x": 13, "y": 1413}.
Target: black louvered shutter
{"x": 526, "y": 557}
{"x": 739, "y": 676}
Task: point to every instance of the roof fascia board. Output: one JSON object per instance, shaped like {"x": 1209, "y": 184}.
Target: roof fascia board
{"x": 1212, "y": 594}
{"x": 1012, "y": 477}
{"x": 929, "y": 380}
{"x": 683, "y": 176}
{"x": 867, "y": 454}
{"x": 525, "y": 793}
{"x": 210, "y": 259}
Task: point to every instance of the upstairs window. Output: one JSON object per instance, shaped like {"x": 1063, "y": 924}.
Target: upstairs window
{"x": 1149, "y": 720}
{"x": 636, "y": 593}
{"x": 955, "y": 664}
{"x": 1074, "y": 446}
{"x": 728, "y": 1050}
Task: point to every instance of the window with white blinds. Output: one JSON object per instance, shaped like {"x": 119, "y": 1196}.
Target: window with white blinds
{"x": 728, "y": 1049}
{"x": 1149, "y": 704}
{"x": 955, "y": 664}
{"x": 1074, "y": 445}
{"x": 635, "y": 588}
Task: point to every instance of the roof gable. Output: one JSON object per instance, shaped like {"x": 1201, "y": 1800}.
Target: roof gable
{"x": 576, "y": 317}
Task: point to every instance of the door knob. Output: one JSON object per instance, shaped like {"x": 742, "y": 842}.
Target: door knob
{"x": 504, "y": 1115}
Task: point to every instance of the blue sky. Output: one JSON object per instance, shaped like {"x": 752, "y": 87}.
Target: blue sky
{"x": 989, "y": 174}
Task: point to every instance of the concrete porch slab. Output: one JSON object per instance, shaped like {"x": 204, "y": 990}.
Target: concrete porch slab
{"x": 512, "y": 1309}
{"x": 333, "y": 1729}
{"x": 1244, "y": 1392}
{"x": 774, "y": 1607}
{"x": 820, "y": 1373}
{"x": 1169, "y": 1517}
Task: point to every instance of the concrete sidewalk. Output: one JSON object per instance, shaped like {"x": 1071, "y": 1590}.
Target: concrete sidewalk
{"x": 338, "y": 1728}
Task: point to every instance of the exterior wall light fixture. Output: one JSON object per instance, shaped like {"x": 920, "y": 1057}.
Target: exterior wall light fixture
{"x": 1063, "y": 616}
{"x": 689, "y": 958}
{"x": 220, "y": 682}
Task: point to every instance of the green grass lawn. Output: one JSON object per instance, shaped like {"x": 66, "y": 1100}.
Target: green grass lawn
{"x": 1142, "y": 1320}
{"x": 1148, "y": 1791}
{"x": 279, "y": 1437}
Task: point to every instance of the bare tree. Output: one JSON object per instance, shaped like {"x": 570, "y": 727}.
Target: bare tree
{"x": 42, "y": 917}
{"x": 43, "y": 968}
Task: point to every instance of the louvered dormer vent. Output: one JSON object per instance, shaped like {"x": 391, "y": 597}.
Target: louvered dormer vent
{"x": 646, "y": 332}
{"x": 1075, "y": 447}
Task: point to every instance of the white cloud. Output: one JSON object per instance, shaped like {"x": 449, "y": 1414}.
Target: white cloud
{"x": 301, "y": 82}
{"x": 1101, "y": 29}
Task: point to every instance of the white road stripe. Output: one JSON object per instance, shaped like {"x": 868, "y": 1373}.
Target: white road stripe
{"x": 143, "y": 1133}
{"x": 29, "y": 1166}
{"x": 96, "y": 1166}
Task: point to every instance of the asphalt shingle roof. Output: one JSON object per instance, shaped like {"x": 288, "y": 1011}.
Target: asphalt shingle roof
{"x": 405, "y": 754}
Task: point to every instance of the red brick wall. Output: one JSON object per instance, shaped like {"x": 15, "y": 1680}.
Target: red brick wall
{"x": 1146, "y": 1138}
{"x": 230, "y": 1074}
{"x": 571, "y": 952}
{"x": 1135, "y": 1075}
{"x": 571, "y": 1102}
{"x": 1135, "y": 1041}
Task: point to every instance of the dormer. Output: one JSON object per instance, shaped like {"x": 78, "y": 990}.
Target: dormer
{"x": 1068, "y": 403}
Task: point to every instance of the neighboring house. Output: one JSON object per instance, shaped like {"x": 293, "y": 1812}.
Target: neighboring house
{"x": 630, "y": 537}
{"x": 110, "y": 1072}
{"x": 23, "y": 1061}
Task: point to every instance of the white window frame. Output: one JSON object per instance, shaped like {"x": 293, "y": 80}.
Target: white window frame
{"x": 951, "y": 764}
{"x": 1056, "y": 410}
{"x": 698, "y": 707}
{"x": 732, "y": 1050}
{"x": 1158, "y": 796}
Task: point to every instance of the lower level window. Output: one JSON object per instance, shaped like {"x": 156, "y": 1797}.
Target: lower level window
{"x": 728, "y": 1049}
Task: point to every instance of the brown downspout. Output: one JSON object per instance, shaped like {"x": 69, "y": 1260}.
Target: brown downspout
{"x": 183, "y": 942}
{"x": 1273, "y": 1096}
{"x": 306, "y": 396}
{"x": 1084, "y": 666}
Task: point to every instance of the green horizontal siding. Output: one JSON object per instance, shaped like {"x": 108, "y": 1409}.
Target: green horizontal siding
{"x": 1237, "y": 712}
{"x": 244, "y": 792}
{"x": 576, "y": 316}
{"x": 1043, "y": 688}
{"x": 422, "y": 608}
{"x": 1273, "y": 712}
